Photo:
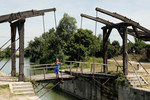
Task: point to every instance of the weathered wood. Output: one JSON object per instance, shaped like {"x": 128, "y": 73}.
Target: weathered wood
{"x": 70, "y": 68}
{"x": 125, "y": 49}
{"x": 97, "y": 19}
{"x": 90, "y": 74}
{"x": 93, "y": 68}
{"x": 123, "y": 18}
{"x": 50, "y": 76}
{"x": 82, "y": 64}
{"x": 21, "y": 49}
{"x": 23, "y": 15}
{"x": 134, "y": 32}
{"x": 13, "y": 49}
{"x": 105, "y": 38}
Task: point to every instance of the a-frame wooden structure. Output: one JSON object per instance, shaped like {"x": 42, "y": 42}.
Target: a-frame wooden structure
{"x": 17, "y": 20}
{"x": 137, "y": 31}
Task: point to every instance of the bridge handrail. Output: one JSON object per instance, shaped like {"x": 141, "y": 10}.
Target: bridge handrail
{"x": 45, "y": 67}
{"x": 90, "y": 63}
{"x": 39, "y": 65}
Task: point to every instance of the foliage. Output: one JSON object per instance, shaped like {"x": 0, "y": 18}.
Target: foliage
{"x": 34, "y": 50}
{"x": 76, "y": 44}
{"x": 66, "y": 28}
{"x": 139, "y": 47}
{"x": 96, "y": 60}
{"x": 49, "y": 46}
{"x": 120, "y": 77}
{"x": 148, "y": 51}
{"x": 6, "y": 53}
{"x": 81, "y": 45}
{"x": 116, "y": 47}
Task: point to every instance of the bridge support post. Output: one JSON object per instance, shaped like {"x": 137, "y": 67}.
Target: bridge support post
{"x": 125, "y": 50}
{"x": 21, "y": 49}
{"x": 106, "y": 33}
{"x": 13, "y": 48}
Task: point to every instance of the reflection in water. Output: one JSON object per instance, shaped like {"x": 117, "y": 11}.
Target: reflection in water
{"x": 54, "y": 94}
{"x": 7, "y": 68}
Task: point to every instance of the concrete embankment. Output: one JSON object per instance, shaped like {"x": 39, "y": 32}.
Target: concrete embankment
{"x": 87, "y": 89}
{"x": 11, "y": 89}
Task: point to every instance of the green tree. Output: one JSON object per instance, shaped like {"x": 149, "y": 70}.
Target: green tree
{"x": 116, "y": 48}
{"x": 49, "y": 46}
{"x": 34, "y": 50}
{"x": 139, "y": 47}
{"x": 66, "y": 28}
{"x": 7, "y": 52}
{"x": 79, "y": 45}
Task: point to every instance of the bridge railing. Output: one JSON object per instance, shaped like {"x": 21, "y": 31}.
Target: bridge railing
{"x": 71, "y": 66}
{"x": 40, "y": 69}
{"x": 91, "y": 67}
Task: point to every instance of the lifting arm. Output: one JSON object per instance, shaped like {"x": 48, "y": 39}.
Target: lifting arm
{"x": 24, "y": 14}
{"x": 123, "y": 18}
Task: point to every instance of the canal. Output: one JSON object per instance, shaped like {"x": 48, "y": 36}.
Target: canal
{"x": 54, "y": 94}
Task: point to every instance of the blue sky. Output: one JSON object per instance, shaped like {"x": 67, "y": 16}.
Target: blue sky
{"x": 137, "y": 10}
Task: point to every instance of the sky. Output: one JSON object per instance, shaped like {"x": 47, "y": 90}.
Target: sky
{"x": 137, "y": 10}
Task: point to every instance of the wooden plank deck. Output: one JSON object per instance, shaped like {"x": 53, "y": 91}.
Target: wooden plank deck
{"x": 66, "y": 76}
{"x": 49, "y": 77}
{"x": 90, "y": 74}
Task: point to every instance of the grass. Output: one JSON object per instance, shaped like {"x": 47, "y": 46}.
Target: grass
{"x": 96, "y": 60}
{"x": 4, "y": 86}
{"x": 139, "y": 57}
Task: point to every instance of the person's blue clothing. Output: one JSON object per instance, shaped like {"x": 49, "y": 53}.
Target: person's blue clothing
{"x": 56, "y": 68}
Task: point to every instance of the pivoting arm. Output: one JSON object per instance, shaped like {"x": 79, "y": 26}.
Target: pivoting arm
{"x": 24, "y": 14}
{"x": 123, "y": 18}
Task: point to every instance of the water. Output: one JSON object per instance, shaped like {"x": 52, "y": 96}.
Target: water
{"x": 52, "y": 95}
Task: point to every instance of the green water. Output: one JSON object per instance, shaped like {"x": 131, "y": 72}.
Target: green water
{"x": 54, "y": 94}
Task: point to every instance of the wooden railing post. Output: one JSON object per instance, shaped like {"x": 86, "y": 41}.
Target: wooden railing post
{"x": 117, "y": 68}
{"x": 34, "y": 70}
{"x": 30, "y": 74}
{"x": 82, "y": 67}
{"x": 93, "y": 68}
{"x": 70, "y": 68}
{"x": 44, "y": 72}
{"x": 46, "y": 69}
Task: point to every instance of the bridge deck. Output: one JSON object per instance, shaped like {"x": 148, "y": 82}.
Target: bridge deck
{"x": 66, "y": 76}
{"x": 90, "y": 74}
{"x": 49, "y": 76}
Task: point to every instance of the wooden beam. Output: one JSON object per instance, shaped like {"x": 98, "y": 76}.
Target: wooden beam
{"x": 21, "y": 49}
{"x": 23, "y": 15}
{"x": 125, "y": 49}
{"x": 13, "y": 49}
{"x": 106, "y": 34}
{"x": 97, "y": 19}
{"x": 123, "y": 18}
{"x": 136, "y": 31}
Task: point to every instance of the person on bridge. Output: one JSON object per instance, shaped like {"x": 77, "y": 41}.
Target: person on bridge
{"x": 56, "y": 68}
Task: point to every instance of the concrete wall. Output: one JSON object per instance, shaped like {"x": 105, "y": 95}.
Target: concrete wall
{"x": 125, "y": 93}
{"x": 85, "y": 89}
